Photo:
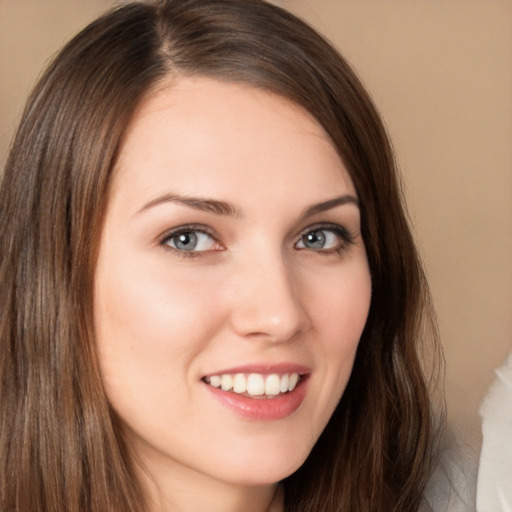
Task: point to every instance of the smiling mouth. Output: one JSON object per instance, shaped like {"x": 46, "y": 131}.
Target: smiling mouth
{"x": 255, "y": 385}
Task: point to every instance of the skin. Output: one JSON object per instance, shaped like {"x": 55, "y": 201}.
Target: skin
{"x": 252, "y": 291}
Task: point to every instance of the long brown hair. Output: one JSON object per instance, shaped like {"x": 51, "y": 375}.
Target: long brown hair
{"x": 60, "y": 445}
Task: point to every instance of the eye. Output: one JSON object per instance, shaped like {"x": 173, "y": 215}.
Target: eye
{"x": 325, "y": 238}
{"x": 190, "y": 240}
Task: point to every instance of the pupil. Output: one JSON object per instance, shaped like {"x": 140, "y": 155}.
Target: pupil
{"x": 315, "y": 239}
{"x": 186, "y": 241}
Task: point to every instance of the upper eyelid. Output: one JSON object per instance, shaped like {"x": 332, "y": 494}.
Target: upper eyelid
{"x": 187, "y": 227}
{"x": 333, "y": 226}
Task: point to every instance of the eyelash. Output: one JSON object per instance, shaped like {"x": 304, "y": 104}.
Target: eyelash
{"x": 346, "y": 239}
{"x": 181, "y": 230}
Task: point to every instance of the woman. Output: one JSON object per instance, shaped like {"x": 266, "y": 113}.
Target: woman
{"x": 211, "y": 293}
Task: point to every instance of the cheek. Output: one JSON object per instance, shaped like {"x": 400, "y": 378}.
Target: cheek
{"x": 149, "y": 324}
{"x": 340, "y": 317}
{"x": 341, "y": 306}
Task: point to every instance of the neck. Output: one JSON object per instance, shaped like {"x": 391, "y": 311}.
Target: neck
{"x": 171, "y": 488}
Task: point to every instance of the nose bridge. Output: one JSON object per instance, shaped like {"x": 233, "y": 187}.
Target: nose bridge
{"x": 266, "y": 297}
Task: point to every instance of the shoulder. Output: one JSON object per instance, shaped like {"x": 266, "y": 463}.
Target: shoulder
{"x": 452, "y": 485}
{"x": 495, "y": 471}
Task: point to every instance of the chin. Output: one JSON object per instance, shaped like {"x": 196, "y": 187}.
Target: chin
{"x": 266, "y": 467}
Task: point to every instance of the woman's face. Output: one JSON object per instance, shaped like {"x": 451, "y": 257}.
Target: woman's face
{"x": 231, "y": 255}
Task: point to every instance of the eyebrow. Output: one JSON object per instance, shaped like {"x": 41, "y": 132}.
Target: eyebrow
{"x": 227, "y": 209}
{"x": 331, "y": 203}
{"x": 198, "y": 203}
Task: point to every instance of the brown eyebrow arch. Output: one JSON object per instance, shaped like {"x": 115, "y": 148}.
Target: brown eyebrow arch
{"x": 331, "y": 203}
{"x": 198, "y": 203}
{"x": 223, "y": 208}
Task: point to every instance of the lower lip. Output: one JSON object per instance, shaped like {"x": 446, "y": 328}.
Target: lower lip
{"x": 263, "y": 408}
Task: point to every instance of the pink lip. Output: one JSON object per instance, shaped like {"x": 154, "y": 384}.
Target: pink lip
{"x": 265, "y": 369}
{"x": 264, "y": 409}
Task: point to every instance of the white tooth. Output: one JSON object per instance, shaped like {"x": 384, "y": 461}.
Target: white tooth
{"x": 215, "y": 381}
{"x": 294, "y": 378}
{"x": 255, "y": 384}
{"x": 284, "y": 383}
{"x": 226, "y": 382}
{"x": 239, "y": 383}
{"x": 272, "y": 385}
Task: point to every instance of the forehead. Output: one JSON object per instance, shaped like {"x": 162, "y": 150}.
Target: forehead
{"x": 197, "y": 134}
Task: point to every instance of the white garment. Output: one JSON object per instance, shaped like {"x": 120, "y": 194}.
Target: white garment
{"x": 494, "y": 492}
{"x": 452, "y": 486}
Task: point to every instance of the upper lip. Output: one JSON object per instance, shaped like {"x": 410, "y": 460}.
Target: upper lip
{"x": 264, "y": 369}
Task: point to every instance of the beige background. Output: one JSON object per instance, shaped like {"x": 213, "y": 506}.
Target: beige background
{"x": 440, "y": 71}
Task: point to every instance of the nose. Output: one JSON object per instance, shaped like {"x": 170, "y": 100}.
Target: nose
{"x": 267, "y": 300}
